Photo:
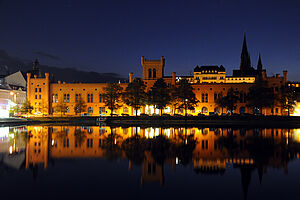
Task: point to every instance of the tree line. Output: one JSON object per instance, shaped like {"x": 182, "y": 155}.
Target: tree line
{"x": 180, "y": 97}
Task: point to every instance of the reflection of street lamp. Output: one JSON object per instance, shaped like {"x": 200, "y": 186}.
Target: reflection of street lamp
{"x": 185, "y": 106}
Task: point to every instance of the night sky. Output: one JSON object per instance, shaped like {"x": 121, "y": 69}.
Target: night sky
{"x": 111, "y": 36}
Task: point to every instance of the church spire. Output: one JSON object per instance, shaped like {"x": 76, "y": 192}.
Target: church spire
{"x": 245, "y": 57}
{"x": 259, "y": 64}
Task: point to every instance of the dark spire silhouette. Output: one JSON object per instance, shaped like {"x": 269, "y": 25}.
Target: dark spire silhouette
{"x": 246, "y": 179}
{"x": 259, "y": 64}
{"x": 260, "y": 171}
{"x": 36, "y": 68}
{"x": 245, "y": 57}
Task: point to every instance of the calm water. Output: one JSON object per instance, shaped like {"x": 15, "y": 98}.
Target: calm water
{"x": 75, "y": 162}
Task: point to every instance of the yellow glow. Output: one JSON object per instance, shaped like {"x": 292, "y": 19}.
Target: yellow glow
{"x": 10, "y": 149}
{"x": 11, "y": 93}
{"x": 296, "y": 110}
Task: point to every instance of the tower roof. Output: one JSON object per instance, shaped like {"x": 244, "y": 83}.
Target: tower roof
{"x": 245, "y": 58}
{"x": 259, "y": 64}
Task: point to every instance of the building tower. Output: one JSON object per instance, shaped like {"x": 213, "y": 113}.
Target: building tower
{"x": 153, "y": 69}
{"x": 245, "y": 59}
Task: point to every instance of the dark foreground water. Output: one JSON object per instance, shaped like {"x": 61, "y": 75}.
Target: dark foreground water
{"x": 75, "y": 162}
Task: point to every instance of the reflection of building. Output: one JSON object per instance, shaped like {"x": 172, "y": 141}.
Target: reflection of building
{"x": 151, "y": 170}
{"x": 214, "y": 149}
{"x": 209, "y": 83}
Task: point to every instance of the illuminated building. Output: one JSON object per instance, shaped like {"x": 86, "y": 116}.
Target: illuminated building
{"x": 209, "y": 82}
{"x": 12, "y": 92}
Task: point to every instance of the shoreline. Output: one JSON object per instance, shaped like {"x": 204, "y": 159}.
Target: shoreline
{"x": 163, "y": 121}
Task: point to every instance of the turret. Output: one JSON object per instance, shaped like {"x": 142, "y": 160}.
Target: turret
{"x": 130, "y": 77}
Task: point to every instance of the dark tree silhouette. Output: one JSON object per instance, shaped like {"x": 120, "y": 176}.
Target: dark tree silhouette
{"x": 135, "y": 95}
{"x": 159, "y": 95}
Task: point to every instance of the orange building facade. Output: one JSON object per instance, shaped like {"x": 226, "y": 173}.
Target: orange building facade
{"x": 45, "y": 95}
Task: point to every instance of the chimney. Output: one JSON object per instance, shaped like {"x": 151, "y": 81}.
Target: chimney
{"x": 130, "y": 77}
{"x": 284, "y": 76}
{"x": 173, "y": 78}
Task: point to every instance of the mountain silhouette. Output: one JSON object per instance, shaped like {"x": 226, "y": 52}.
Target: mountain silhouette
{"x": 10, "y": 64}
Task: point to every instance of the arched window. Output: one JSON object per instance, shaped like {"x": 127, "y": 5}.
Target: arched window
{"x": 154, "y": 73}
{"x": 204, "y": 110}
{"x": 67, "y": 109}
{"x": 150, "y": 73}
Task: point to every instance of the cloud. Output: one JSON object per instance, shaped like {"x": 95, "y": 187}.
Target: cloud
{"x": 47, "y": 55}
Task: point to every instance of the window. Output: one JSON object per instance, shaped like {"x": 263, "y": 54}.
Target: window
{"x": 56, "y": 98}
{"x": 40, "y": 96}
{"x": 101, "y": 98}
{"x": 67, "y": 109}
{"x": 154, "y": 73}
{"x": 276, "y": 110}
{"x": 66, "y": 98}
{"x": 215, "y": 97}
{"x": 125, "y": 109}
{"x": 204, "y": 97}
{"x": 90, "y": 110}
{"x": 40, "y": 89}
{"x": 77, "y": 97}
{"x": 36, "y": 90}
{"x": 90, "y": 98}
{"x": 150, "y": 73}
{"x": 35, "y": 96}
{"x": 204, "y": 110}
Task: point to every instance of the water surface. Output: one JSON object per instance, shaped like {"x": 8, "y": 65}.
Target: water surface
{"x": 77, "y": 162}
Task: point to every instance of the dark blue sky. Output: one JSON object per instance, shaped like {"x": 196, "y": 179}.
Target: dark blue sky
{"x": 111, "y": 36}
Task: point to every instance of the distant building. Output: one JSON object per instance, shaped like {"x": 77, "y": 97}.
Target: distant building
{"x": 209, "y": 82}
{"x": 12, "y": 92}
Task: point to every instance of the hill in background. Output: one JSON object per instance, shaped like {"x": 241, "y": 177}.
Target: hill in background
{"x": 9, "y": 64}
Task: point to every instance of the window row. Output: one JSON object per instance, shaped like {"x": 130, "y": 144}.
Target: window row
{"x": 66, "y": 98}
{"x": 38, "y": 89}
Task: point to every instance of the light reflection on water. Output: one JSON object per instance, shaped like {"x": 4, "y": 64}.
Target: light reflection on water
{"x": 160, "y": 154}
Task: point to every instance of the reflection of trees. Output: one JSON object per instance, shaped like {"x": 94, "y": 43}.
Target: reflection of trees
{"x": 110, "y": 145}
{"x": 230, "y": 143}
{"x": 184, "y": 149}
{"x": 79, "y": 136}
{"x": 134, "y": 148}
{"x": 159, "y": 147}
{"x": 61, "y": 135}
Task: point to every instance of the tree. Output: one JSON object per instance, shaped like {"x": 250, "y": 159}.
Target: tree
{"x": 135, "y": 95}
{"x": 15, "y": 110}
{"x": 60, "y": 107}
{"x": 159, "y": 95}
{"x": 174, "y": 100}
{"x": 260, "y": 96}
{"x": 231, "y": 99}
{"x": 80, "y": 106}
{"x": 26, "y": 107}
{"x": 112, "y": 96}
{"x": 221, "y": 102}
{"x": 288, "y": 98}
{"x": 185, "y": 95}
{"x": 43, "y": 107}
